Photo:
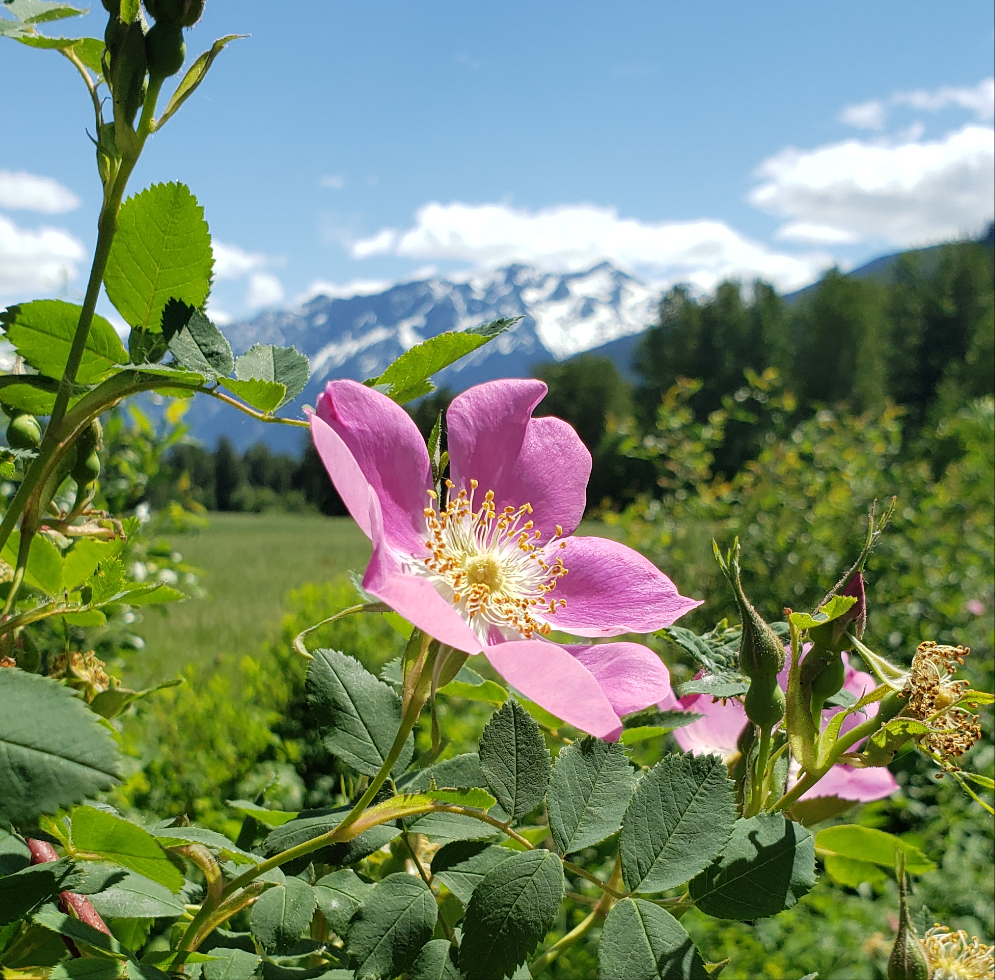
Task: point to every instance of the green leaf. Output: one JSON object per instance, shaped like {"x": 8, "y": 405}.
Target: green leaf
{"x": 106, "y": 581}
{"x": 470, "y": 685}
{"x": 509, "y": 912}
{"x": 891, "y": 736}
{"x": 405, "y": 379}
{"x": 83, "y": 559}
{"x": 110, "y": 703}
{"x": 852, "y": 873}
{"x": 283, "y": 365}
{"x": 36, "y": 395}
{"x": 514, "y": 759}
{"x": 716, "y": 651}
{"x": 54, "y": 751}
{"x": 136, "y": 897}
{"x": 65, "y": 925}
{"x": 642, "y": 941}
{"x": 195, "y": 75}
{"x": 767, "y": 866}
{"x": 728, "y": 684}
{"x": 281, "y": 914}
{"x": 461, "y": 770}
{"x": 436, "y": 961}
{"x": 266, "y": 396}
{"x": 230, "y": 964}
{"x": 461, "y": 865}
{"x": 25, "y": 890}
{"x": 162, "y": 251}
{"x": 43, "y": 331}
{"x": 680, "y": 816}
{"x": 633, "y": 736}
{"x": 195, "y": 342}
{"x": 359, "y": 716}
{"x": 91, "y": 968}
{"x": 391, "y": 926}
{"x": 271, "y": 818}
{"x": 588, "y": 793}
{"x": 44, "y": 568}
{"x": 152, "y": 595}
{"x": 339, "y": 895}
{"x": 14, "y": 853}
{"x": 41, "y": 11}
{"x": 96, "y": 835}
{"x": 867, "y": 844}
{"x": 833, "y": 609}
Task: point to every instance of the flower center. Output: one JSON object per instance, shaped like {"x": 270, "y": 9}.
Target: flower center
{"x": 490, "y": 563}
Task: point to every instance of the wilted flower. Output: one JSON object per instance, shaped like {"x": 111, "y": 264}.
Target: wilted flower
{"x": 83, "y": 671}
{"x": 493, "y": 568}
{"x": 933, "y": 695}
{"x": 719, "y": 730}
{"x": 952, "y": 957}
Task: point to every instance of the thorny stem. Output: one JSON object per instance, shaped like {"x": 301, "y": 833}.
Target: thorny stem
{"x": 758, "y": 776}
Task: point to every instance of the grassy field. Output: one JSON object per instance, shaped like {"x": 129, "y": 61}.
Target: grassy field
{"x": 248, "y": 563}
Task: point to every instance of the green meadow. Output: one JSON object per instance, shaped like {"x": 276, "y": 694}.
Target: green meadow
{"x": 247, "y": 563}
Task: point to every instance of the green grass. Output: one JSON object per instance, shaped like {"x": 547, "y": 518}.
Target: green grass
{"x": 248, "y": 564}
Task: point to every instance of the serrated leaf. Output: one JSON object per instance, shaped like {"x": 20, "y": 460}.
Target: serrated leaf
{"x": 54, "y": 751}
{"x": 79, "y": 932}
{"x": 195, "y": 342}
{"x": 407, "y": 377}
{"x": 358, "y": 715}
{"x": 391, "y": 926}
{"x": 281, "y": 914}
{"x": 715, "y": 651}
{"x": 195, "y": 75}
{"x": 36, "y": 395}
{"x": 509, "y": 912}
{"x": 42, "y": 11}
{"x": 152, "y": 595}
{"x": 137, "y": 897}
{"x": 96, "y": 835}
{"x": 436, "y": 961}
{"x": 728, "y": 684}
{"x": 230, "y": 964}
{"x": 43, "y": 331}
{"x": 470, "y": 685}
{"x": 767, "y": 866}
{"x": 514, "y": 759}
{"x": 267, "y": 396}
{"x": 283, "y": 365}
{"x": 14, "y": 853}
{"x": 872, "y": 845}
{"x": 44, "y": 568}
{"x": 339, "y": 895}
{"x": 642, "y": 941}
{"x": 681, "y": 815}
{"x": 461, "y": 865}
{"x": 836, "y": 607}
{"x": 588, "y": 793}
{"x": 162, "y": 251}
{"x": 211, "y": 839}
{"x": 107, "y": 581}
{"x": 26, "y": 889}
{"x": 82, "y": 560}
{"x": 461, "y": 770}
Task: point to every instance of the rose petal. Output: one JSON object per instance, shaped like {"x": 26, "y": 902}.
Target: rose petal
{"x": 552, "y": 677}
{"x": 717, "y": 732}
{"x": 862, "y": 785}
{"x": 632, "y": 676}
{"x": 411, "y": 596}
{"x": 494, "y": 440}
{"x": 611, "y": 589}
{"x": 388, "y": 451}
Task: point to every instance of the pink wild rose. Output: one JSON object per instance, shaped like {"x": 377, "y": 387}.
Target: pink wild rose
{"x": 495, "y": 568}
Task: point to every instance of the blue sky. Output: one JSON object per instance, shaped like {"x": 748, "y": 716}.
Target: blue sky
{"x": 375, "y": 141}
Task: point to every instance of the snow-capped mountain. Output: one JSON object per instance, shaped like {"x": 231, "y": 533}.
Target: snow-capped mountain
{"x": 357, "y": 337}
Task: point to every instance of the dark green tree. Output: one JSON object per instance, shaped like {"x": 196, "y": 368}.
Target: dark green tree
{"x": 228, "y": 474}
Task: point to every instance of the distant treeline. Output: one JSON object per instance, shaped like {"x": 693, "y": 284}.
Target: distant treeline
{"x": 921, "y": 336}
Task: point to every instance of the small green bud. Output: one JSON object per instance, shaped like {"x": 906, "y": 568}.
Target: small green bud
{"x": 185, "y": 13}
{"x": 90, "y": 439}
{"x": 908, "y": 960}
{"x": 165, "y": 49}
{"x": 86, "y": 470}
{"x": 764, "y": 702}
{"x": 126, "y": 45}
{"x": 23, "y": 432}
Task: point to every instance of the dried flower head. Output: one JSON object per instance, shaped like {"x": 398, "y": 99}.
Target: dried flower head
{"x": 953, "y": 957}
{"x": 933, "y": 697}
{"x": 8, "y": 662}
{"x": 83, "y": 671}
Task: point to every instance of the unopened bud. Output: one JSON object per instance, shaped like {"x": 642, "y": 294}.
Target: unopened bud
{"x": 183, "y": 13}
{"x": 764, "y": 702}
{"x": 908, "y": 960}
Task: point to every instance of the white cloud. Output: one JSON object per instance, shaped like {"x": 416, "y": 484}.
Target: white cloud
{"x": 334, "y": 181}
{"x": 803, "y": 231}
{"x": 906, "y": 194}
{"x": 264, "y": 290}
{"x": 36, "y": 261}
{"x": 979, "y": 99}
{"x": 577, "y": 236}
{"x": 29, "y": 192}
{"x": 335, "y": 290}
{"x": 232, "y": 262}
{"x": 865, "y": 115}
